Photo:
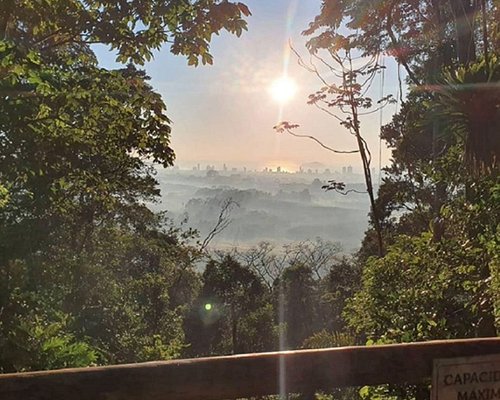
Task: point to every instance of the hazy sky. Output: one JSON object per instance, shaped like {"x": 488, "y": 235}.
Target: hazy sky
{"x": 225, "y": 114}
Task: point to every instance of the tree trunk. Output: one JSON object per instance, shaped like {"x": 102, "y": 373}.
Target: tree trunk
{"x": 365, "y": 158}
{"x": 6, "y": 11}
{"x": 234, "y": 331}
{"x": 464, "y": 13}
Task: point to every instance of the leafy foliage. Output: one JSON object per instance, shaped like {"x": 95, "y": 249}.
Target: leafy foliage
{"x": 469, "y": 102}
{"x": 88, "y": 273}
{"x": 231, "y": 305}
{"x": 133, "y": 28}
{"x": 436, "y": 295}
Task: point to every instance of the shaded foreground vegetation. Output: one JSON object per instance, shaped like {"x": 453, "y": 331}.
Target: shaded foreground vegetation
{"x": 90, "y": 275}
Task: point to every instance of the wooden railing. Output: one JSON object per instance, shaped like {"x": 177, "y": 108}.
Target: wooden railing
{"x": 302, "y": 371}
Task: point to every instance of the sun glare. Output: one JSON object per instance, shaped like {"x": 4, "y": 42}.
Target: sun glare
{"x": 282, "y": 166}
{"x": 283, "y": 89}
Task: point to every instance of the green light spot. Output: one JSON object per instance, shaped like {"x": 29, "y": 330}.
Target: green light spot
{"x": 208, "y": 306}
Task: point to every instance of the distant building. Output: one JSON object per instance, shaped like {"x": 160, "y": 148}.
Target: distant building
{"x": 344, "y": 170}
{"x": 278, "y": 170}
{"x": 349, "y": 169}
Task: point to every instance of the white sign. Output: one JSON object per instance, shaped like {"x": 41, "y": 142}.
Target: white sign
{"x": 467, "y": 378}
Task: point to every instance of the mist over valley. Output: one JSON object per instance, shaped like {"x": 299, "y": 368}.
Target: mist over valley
{"x": 268, "y": 205}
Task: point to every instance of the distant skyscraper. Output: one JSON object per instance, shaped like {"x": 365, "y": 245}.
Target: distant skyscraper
{"x": 349, "y": 169}
{"x": 344, "y": 170}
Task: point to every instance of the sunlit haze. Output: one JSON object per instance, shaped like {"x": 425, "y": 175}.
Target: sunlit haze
{"x": 225, "y": 113}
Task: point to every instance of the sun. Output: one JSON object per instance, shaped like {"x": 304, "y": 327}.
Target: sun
{"x": 283, "y": 89}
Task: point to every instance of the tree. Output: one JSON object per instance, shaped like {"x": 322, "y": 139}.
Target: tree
{"x": 444, "y": 170}
{"x": 299, "y": 303}
{"x": 61, "y": 168}
{"x": 265, "y": 261}
{"x": 56, "y": 99}
{"x": 319, "y": 255}
{"x": 33, "y": 333}
{"x": 467, "y": 105}
{"x": 107, "y": 306}
{"x": 349, "y": 99}
{"x": 133, "y": 28}
{"x": 408, "y": 198}
{"x": 84, "y": 263}
{"x": 424, "y": 36}
{"x": 418, "y": 33}
{"x": 308, "y": 283}
{"x": 231, "y": 300}
{"x": 421, "y": 291}
{"x": 71, "y": 183}
{"x": 341, "y": 282}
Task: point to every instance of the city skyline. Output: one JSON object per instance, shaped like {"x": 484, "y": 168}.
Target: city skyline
{"x": 315, "y": 168}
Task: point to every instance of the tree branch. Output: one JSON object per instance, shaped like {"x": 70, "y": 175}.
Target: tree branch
{"x": 280, "y": 128}
{"x": 222, "y": 223}
{"x": 400, "y": 57}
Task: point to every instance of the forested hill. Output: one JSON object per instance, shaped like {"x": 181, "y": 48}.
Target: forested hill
{"x": 279, "y": 208}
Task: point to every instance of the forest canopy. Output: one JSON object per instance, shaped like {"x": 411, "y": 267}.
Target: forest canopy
{"x": 89, "y": 274}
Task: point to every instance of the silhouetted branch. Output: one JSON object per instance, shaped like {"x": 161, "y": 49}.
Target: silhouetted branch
{"x": 222, "y": 223}
{"x": 339, "y": 187}
{"x": 286, "y": 127}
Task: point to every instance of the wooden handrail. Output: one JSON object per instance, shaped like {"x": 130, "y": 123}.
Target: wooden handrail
{"x": 244, "y": 375}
